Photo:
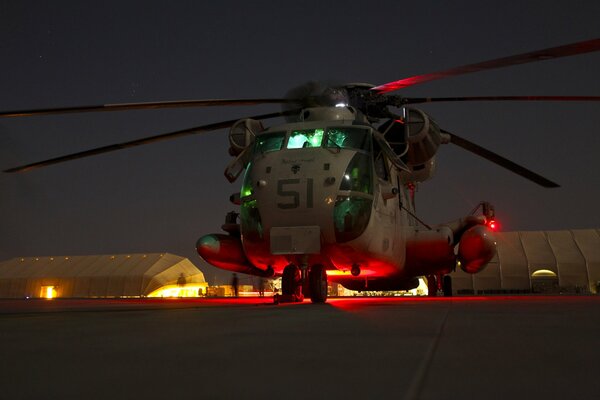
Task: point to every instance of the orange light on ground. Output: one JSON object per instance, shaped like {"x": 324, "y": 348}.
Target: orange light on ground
{"x": 336, "y": 272}
{"x": 188, "y": 290}
{"x": 363, "y": 272}
{"x": 255, "y": 293}
{"x": 48, "y": 292}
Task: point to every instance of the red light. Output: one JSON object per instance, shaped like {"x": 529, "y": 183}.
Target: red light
{"x": 492, "y": 224}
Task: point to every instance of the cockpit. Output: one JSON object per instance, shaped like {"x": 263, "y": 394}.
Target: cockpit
{"x": 354, "y": 138}
{"x": 309, "y": 180}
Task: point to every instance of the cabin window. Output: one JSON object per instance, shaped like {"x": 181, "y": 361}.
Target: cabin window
{"x": 305, "y": 138}
{"x": 269, "y": 142}
{"x": 251, "y": 222}
{"x": 350, "y": 216}
{"x": 358, "y": 175}
{"x": 348, "y": 138}
{"x": 381, "y": 169}
{"x": 247, "y": 185}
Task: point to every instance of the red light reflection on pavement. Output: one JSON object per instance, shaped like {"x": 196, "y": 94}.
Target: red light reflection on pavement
{"x": 355, "y": 303}
{"x": 8, "y": 306}
{"x": 15, "y": 306}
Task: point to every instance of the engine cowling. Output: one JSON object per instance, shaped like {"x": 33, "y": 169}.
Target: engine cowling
{"x": 476, "y": 248}
{"x": 226, "y": 252}
{"x": 241, "y": 138}
{"x": 242, "y": 134}
{"x": 423, "y": 136}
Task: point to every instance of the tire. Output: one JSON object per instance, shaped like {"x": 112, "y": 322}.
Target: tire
{"x": 431, "y": 286}
{"x": 447, "y": 286}
{"x": 317, "y": 279}
{"x": 290, "y": 280}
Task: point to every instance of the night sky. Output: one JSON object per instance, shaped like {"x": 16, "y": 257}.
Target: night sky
{"x": 162, "y": 197}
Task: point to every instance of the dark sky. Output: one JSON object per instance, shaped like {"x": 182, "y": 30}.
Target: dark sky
{"x": 162, "y": 197}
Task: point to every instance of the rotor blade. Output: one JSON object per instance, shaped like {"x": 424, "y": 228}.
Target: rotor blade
{"x": 139, "y": 142}
{"x": 143, "y": 106}
{"x": 417, "y": 100}
{"x": 501, "y": 161}
{"x": 586, "y": 46}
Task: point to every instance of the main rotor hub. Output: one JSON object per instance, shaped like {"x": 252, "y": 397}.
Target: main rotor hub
{"x": 338, "y": 113}
{"x": 360, "y": 96}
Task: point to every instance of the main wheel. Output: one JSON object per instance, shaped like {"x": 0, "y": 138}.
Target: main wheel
{"x": 290, "y": 281}
{"x": 447, "y": 286}
{"x": 431, "y": 286}
{"x": 317, "y": 280}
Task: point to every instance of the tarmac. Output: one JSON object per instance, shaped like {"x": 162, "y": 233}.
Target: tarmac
{"x": 498, "y": 347}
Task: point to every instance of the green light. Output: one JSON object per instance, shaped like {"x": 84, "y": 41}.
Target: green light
{"x": 305, "y": 138}
{"x": 315, "y": 140}
{"x": 269, "y": 142}
{"x": 337, "y": 137}
{"x": 246, "y": 192}
{"x": 348, "y": 138}
{"x": 247, "y": 185}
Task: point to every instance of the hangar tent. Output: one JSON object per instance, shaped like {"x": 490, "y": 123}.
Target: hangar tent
{"x": 132, "y": 275}
{"x": 538, "y": 261}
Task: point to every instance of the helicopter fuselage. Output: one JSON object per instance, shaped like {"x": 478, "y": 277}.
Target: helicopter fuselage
{"x": 331, "y": 196}
{"x": 323, "y": 192}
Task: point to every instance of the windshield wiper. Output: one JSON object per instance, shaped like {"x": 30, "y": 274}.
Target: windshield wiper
{"x": 337, "y": 146}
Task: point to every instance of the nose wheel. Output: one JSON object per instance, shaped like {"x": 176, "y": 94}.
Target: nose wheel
{"x": 439, "y": 285}
{"x": 313, "y": 284}
{"x": 291, "y": 282}
{"x": 317, "y": 282}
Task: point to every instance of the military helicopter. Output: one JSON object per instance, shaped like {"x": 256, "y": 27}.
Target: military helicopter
{"x": 330, "y": 194}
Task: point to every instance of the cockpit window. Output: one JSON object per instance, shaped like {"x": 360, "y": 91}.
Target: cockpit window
{"x": 269, "y": 142}
{"x": 348, "y": 138}
{"x": 305, "y": 138}
{"x": 358, "y": 175}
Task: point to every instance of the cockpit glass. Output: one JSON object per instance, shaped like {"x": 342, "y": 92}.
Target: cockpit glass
{"x": 348, "y": 138}
{"x": 269, "y": 142}
{"x": 305, "y": 138}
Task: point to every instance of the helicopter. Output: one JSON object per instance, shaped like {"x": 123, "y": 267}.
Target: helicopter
{"x": 329, "y": 196}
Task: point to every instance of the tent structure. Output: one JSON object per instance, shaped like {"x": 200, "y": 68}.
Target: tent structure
{"x": 132, "y": 275}
{"x": 539, "y": 262}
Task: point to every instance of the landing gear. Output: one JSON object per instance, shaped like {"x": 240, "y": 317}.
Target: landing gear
{"x": 296, "y": 284}
{"x": 291, "y": 284}
{"x": 317, "y": 283}
{"x": 439, "y": 285}
{"x": 447, "y": 286}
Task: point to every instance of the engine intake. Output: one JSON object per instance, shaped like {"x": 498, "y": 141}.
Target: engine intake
{"x": 242, "y": 134}
{"x": 226, "y": 252}
{"x": 423, "y": 137}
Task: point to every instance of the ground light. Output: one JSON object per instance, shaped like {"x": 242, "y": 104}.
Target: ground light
{"x": 187, "y": 290}
{"x": 48, "y": 292}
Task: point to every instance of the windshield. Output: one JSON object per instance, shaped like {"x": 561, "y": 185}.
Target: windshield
{"x": 348, "y": 138}
{"x": 269, "y": 142}
{"x": 339, "y": 138}
{"x": 305, "y": 138}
